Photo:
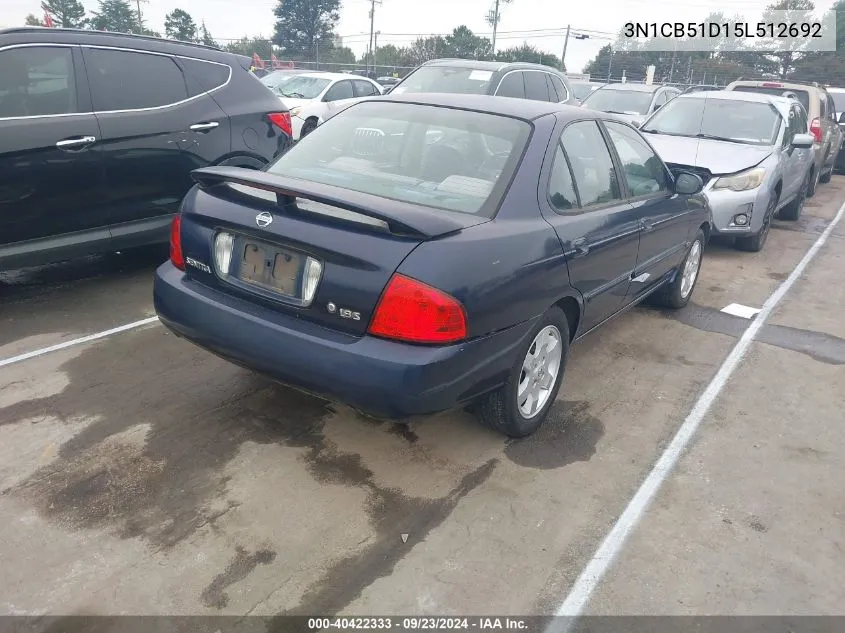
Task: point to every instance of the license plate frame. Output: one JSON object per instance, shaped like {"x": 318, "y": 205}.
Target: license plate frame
{"x": 269, "y": 268}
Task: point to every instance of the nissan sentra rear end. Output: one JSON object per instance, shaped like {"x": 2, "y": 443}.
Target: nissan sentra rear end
{"x": 296, "y": 271}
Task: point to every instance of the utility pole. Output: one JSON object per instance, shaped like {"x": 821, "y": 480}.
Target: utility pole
{"x": 375, "y": 48}
{"x": 372, "y": 32}
{"x": 495, "y": 25}
{"x": 563, "y": 54}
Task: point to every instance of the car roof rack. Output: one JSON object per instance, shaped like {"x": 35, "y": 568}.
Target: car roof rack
{"x": 150, "y": 38}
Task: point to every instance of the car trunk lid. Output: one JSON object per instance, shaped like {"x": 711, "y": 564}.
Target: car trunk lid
{"x": 279, "y": 222}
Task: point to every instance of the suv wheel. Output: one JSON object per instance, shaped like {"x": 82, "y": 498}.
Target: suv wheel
{"x": 792, "y": 211}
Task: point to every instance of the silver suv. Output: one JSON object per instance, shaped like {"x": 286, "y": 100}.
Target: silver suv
{"x": 752, "y": 151}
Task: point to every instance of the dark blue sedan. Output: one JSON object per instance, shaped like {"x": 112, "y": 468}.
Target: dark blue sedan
{"x": 416, "y": 254}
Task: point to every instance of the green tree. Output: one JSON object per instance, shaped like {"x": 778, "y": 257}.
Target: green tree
{"x": 32, "y": 20}
{"x": 205, "y": 36}
{"x": 337, "y": 55}
{"x": 305, "y": 27}
{"x": 68, "y": 14}
{"x": 785, "y": 61}
{"x": 528, "y": 53}
{"x": 179, "y": 25}
{"x": 117, "y": 16}
{"x": 465, "y": 44}
{"x": 251, "y": 45}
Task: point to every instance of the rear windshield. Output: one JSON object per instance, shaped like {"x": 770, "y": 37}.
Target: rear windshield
{"x": 803, "y": 95}
{"x": 619, "y": 101}
{"x": 438, "y": 157}
{"x": 446, "y": 79}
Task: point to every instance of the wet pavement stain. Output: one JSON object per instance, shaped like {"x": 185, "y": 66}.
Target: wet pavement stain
{"x": 778, "y": 276}
{"x": 198, "y": 416}
{"x": 570, "y": 434}
{"x": 805, "y": 224}
{"x": 404, "y": 431}
{"x": 825, "y": 348}
{"x": 214, "y": 596}
{"x": 757, "y": 525}
{"x": 391, "y": 514}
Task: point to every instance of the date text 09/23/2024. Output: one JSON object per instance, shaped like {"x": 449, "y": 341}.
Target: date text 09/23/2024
{"x": 713, "y": 30}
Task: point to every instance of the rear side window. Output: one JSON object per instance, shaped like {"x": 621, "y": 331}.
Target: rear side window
{"x": 364, "y": 88}
{"x": 557, "y": 88}
{"x": 803, "y": 95}
{"x": 122, "y": 80}
{"x": 592, "y": 167}
{"x": 536, "y": 87}
{"x": 37, "y": 81}
{"x": 204, "y": 76}
{"x": 512, "y": 86}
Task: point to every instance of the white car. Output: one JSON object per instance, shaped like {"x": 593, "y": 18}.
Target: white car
{"x": 315, "y": 97}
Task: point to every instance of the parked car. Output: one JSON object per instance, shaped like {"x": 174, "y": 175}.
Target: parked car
{"x": 418, "y": 253}
{"x": 315, "y": 97}
{"x": 582, "y": 89}
{"x": 822, "y": 115}
{"x": 753, "y": 151}
{"x": 387, "y": 82}
{"x": 634, "y": 102}
{"x": 838, "y": 96}
{"x": 100, "y": 132}
{"x": 699, "y": 88}
{"x": 503, "y": 79}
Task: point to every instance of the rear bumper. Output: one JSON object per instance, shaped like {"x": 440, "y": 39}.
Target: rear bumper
{"x": 379, "y": 377}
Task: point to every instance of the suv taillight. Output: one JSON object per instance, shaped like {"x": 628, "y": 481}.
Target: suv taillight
{"x": 282, "y": 121}
{"x": 176, "y": 257}
{"x": 816, "y": 130}
{"x": 412, "y": 311}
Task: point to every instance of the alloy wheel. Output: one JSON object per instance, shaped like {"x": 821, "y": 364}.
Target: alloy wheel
{"x": 540, "y": 370}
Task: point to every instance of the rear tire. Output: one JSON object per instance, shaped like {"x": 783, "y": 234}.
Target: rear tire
{"x": 309, "y": 126}
{"x": 520, "y": 407}
{"x": 825, "y": 178}
{"x": 677, "y": 294}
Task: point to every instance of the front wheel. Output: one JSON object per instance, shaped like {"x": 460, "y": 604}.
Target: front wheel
{"x": 792, "y": 211}
{"x": 520, "y": 407}
{"x": 678, "y": 293}
{"x": 755, "y": 243}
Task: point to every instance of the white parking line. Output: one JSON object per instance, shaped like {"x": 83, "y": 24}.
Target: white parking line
{"x": 575, "y": 602}
{"x": 76, "y": 341}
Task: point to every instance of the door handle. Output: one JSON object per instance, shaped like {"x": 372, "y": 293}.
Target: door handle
{"x": 77, "y": 142}
{"x": 204, "y": 127}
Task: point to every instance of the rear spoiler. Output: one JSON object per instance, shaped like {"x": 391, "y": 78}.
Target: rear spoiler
{"x": 403, "y": 218}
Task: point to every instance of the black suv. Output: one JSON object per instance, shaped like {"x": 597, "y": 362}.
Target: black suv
{"x": 100, "y": 132}
{"x": 519, "y": 80}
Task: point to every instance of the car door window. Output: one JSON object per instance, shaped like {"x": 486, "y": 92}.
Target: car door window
{"x": 595, "y": 177}
{"x": 364, "y": 88}
{"x": 204, "y": 76}
{"x": 123, "y": 80}
{"x": 560, "y": 88}
{"x": 536, "y": 87}
{"x": 561, "y": 187}
{"x": 643, "y": 169}
{"x": 37, "y": 81}
{"x": 512, "y": 86}
{"x": 340, "y": 90}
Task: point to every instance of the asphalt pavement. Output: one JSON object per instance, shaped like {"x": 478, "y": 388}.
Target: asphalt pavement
{"x": 141, "y": 475}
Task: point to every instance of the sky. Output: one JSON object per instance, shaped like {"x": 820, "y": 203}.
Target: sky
{"x": 541, "y": 23}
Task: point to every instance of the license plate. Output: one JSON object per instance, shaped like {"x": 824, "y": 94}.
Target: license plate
{"x": 270, "y": 268}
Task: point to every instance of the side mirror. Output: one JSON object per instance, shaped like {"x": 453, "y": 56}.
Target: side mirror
{"x": 803, "y": 141}
{"x": 688, "y": 184}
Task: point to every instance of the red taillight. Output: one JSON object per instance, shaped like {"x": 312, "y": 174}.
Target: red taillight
{"x": 282, "y": 121}
{"x": 816, "y": 130}
{"x": 176, "y": 257}
{"x": 772, "y": 85}
{"x": 412, "y": 311}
